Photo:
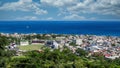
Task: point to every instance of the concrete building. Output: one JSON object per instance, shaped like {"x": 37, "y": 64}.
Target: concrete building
{"x": 24, "y": 43}
{"x": 37, "y": 41}
{"x": 53, "y": 44}
{"x": 79, "y": 41}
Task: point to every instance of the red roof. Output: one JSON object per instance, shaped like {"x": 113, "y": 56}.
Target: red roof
{"x": 107, "y": 55}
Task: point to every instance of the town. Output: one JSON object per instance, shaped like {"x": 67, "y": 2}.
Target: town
{"x": 107, "y": 46}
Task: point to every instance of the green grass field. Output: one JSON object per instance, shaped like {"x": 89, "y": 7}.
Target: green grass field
{"x": 30, "y": 47}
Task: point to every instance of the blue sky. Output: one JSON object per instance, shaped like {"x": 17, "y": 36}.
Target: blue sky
{"x": 59, "y": 9}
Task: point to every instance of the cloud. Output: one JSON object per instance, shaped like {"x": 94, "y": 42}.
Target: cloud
{"x": 28, "y": 18}
{"x": 49, "y": 18}
{"x": 77, "y": 17}
{"x": 96, "y": 6}
{"x": 69, "y": 8}
{"x": 58, "y": 3}
{"x": 74, "y": 17}
{"x": 64, "y": 9}
{"x": 24, "y": 5}
{"x": 33, "y": 18}
{"x": 102, "y": 7}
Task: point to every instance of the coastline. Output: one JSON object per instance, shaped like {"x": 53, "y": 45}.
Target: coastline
{"x": 57, "y": 34}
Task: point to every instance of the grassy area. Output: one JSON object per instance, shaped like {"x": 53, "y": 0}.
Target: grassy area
{"x": 30, "y": 47}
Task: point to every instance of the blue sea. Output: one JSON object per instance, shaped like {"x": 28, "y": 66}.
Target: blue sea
{"x": 62, "y": 27}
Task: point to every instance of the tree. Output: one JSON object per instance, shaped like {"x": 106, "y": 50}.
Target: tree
{"x": 5, "y": 54}
{"x": 73, "y": 44}
{"x": 81, "y": 52}
{"x": 79, "y": 63}
{"x": 3, "y": 42}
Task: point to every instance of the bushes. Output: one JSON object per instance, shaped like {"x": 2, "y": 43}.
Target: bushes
{"x": 81, "y": 52}
{"x": 55, "y": 59}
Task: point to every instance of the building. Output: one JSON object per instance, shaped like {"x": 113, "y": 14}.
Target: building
{"x": 79, "y": 41}
{"x": 53, "y": 44}
{"x": 37, "y": 41}
{"x": 24, "y": 43}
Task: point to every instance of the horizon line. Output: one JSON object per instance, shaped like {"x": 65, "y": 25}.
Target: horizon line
{"x": 65, "y": 20}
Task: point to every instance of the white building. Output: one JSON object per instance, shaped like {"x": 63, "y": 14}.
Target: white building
{"x": 52, "y": 44}
{"x": 24, "y": 43}
{"x": 79, "y": 41}
{"x": 55, "y": 44}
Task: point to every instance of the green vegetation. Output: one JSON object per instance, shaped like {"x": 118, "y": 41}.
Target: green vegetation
{"x": 3, "y": 42}
{"x": 30, "y": 47}
{"x": 81, "y": 52}
{"x": 57, "y": 59}
{"x": 73, "y": 44}
{"x": 48, "y": 58}
{"x": 5, "y": 54}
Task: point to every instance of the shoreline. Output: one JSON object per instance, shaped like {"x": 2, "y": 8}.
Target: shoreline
{"x": 2, "y": 33}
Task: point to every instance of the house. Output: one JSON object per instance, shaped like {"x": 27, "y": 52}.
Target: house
{"x": 12, "y": 46}
{"x": 60, "y": 38}
{"x": 55, "y": 45}
{"x": 112, "y": 57}
{"x": 37, "y": 41}
{"x": 52, "y": 44}
{"x": 24, "y": 43}
{"x": 79, "y": 41}
{"x": 95, "y": 48}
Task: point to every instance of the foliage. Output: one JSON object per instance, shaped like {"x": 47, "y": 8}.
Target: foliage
{"x": 4, "y": 53}
{"x": 73, "y": 44}
{"x": 48, "y": 58}
{"x": 81, "y": 52}
{"x": 3, "y": 42}
{"x": 57, "y": 59}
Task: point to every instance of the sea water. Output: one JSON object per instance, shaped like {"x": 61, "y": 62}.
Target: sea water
{"x": 62, "y": 27}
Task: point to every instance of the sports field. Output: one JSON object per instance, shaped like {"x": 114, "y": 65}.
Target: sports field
{"x": 30, "y": 47}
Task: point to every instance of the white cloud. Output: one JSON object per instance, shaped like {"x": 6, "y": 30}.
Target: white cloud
{"x": 98, "y": 6}
{"x": 24, "y": 5}
{"x": 77, "y": 17}
{"x": 102, "y": 7}
{"x": 59, "y": 3}
{"x": 74, "y": 17}
{"x": 33, "y": 18}
{"x": 49, "y": 18}
{"x": 69, "y": 9}
{"x": 28, "y": 18}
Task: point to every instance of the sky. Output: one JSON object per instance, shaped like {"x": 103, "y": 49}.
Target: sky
{"x": 60, "y": 10}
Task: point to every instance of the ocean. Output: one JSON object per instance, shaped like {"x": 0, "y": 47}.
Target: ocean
{"x": 62, "y": 27}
